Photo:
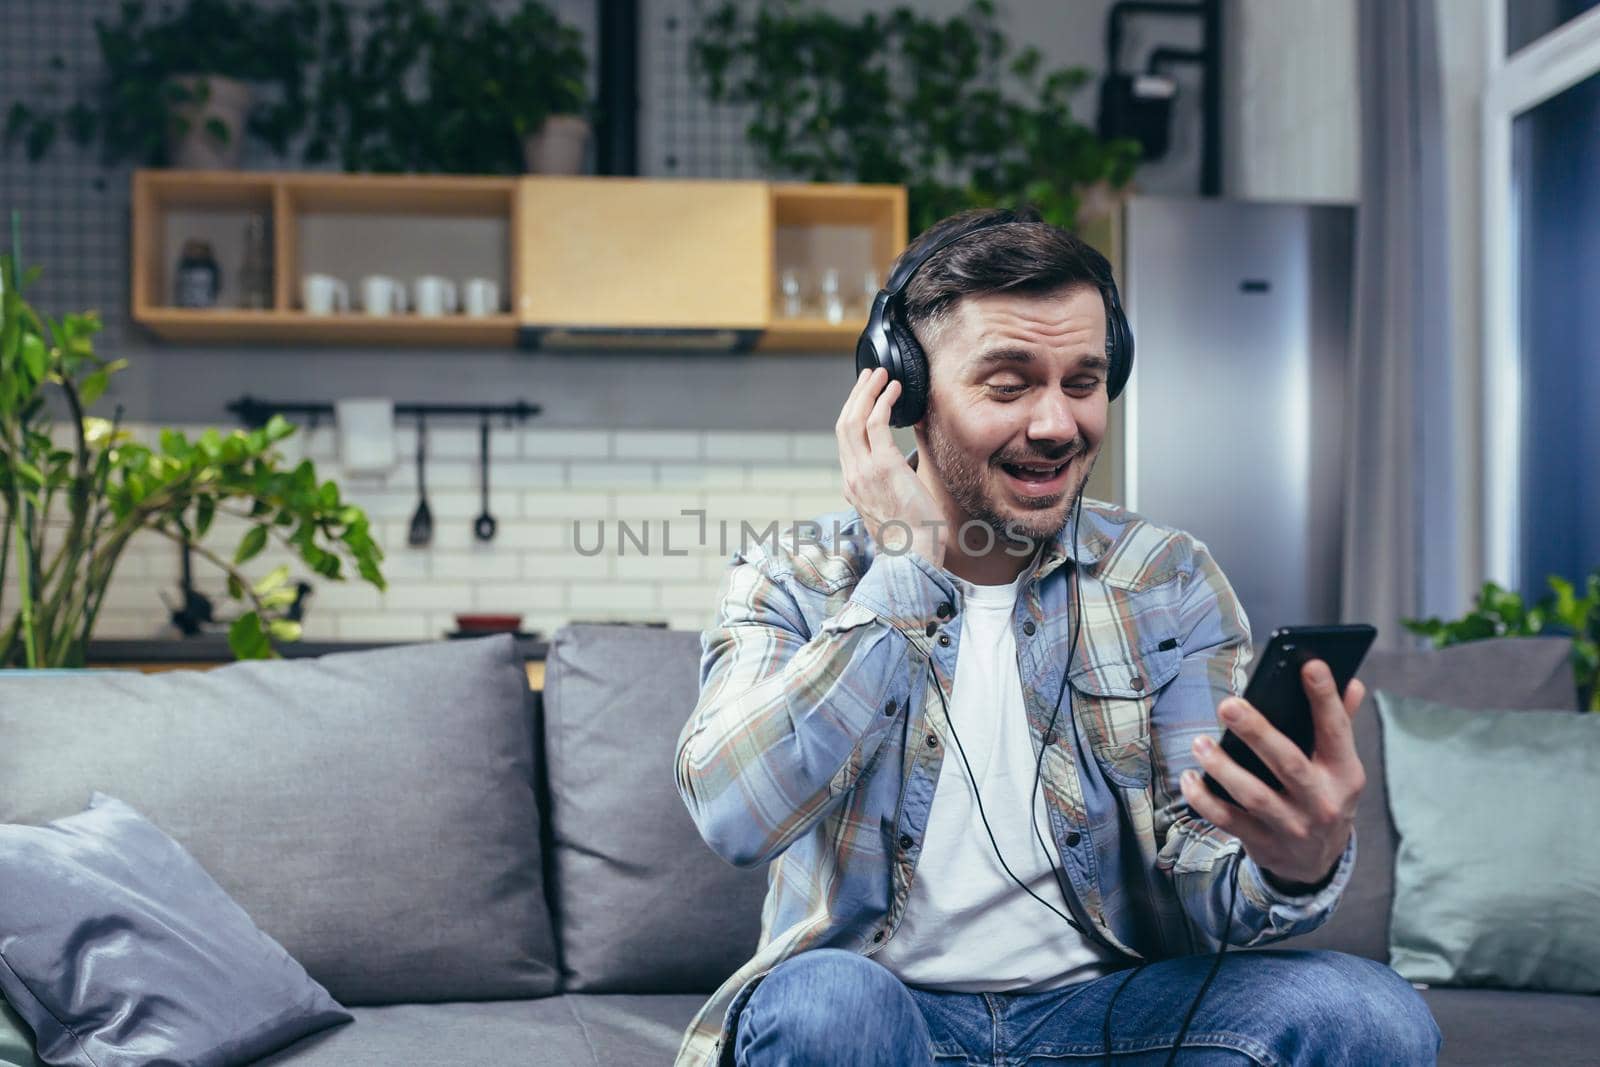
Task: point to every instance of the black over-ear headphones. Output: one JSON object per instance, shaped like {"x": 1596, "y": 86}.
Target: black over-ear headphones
{"x": 888, "y": 342}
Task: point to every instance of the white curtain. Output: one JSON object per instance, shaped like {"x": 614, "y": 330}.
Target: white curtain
{"x": 1401, "y": 544}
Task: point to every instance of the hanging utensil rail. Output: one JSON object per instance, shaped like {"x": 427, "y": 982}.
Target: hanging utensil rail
{"x": 255, "y": 413}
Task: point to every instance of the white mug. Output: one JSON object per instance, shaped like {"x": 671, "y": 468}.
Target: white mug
{"x": 480, "y": 296}
{"x": 433, "y": 296}
{"x": 382, "y": 295}
{"x": 323, "y": 294}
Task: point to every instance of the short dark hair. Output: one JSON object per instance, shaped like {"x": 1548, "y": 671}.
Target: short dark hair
{"x": 1023, "y": 253}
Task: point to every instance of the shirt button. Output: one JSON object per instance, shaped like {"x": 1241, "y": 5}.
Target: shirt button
{"x": 1028, "y": 627}
{"x": 932, "y": 628}
{"x": 1137, "y": 682}
{"x": 1073, "y": 839}
{"x": 888, "y": 709}
{"x": 944, "y": 639}
{"x": 945, "y": 610}
{"x": 1049, "y": 737}
{"x": 878, "y": 936}
{"x": 933, "y": 742}
{"x": 905, "y": 841}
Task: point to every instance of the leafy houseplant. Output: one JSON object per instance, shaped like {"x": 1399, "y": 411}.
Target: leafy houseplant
{"x": 908, "y": 100}
{"x": 112, "y": 488}
{"x": 164, "y": 75}
{"x": 1501, "y": 613}
{"x": 456, "y": 90}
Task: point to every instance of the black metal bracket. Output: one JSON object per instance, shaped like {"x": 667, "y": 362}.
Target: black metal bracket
{"x": 255, "y": 413}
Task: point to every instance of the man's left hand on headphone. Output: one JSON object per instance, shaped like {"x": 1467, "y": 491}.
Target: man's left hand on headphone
{"x": 1296, "y": 836}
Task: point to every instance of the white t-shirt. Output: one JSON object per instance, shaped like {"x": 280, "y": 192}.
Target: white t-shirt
{"x": 967, "y": 926}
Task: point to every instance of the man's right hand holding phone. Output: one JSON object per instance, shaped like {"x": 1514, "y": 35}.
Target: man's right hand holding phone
{"x": 1298, "y": 835}
{"x": 878, "y": 482}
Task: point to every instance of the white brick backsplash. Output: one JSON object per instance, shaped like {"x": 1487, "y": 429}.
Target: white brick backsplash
{"x": 702, "y": 475}
{"x": 656, "y": 444}
{"x": 462, "y": 442}
{"x": 756, "y": 508}
{"x": 345, "y": 596}
{"x": 565, "y": 506}
{"x": 475, "y": 566}
{"x": 521, "y": 597}
{"x": 592, "y": 474}
{"x": 131, "y": 598}
{"x": 691, "y": 620}
{"x": 773, "y": 479}
{"x": 820, "y": 448}
{"x": 657, "y": 568}
{"x": 729, "y": 446}
{"x": 385, "y": 626}
{"x": 459, "y": 504}
{"x": 703, "y": 594}
{"x": 634, "y": 508}
{"x": 610, "y": 599}
{"x": 430, "y": 596}
{"x": 566, "y": 565}
{"x": 566, "y": 444}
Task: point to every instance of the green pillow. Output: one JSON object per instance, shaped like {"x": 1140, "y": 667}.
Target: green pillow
{"x": 16, "y": 1039}
{"x": 1497, "y": 877}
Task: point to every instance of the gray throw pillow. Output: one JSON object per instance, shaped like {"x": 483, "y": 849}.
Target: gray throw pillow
{"x": 119, "y": 950}
{"x": 643, "y": 905}
{"x": 373, "y": 811}
{"x": 1494, "y": 882}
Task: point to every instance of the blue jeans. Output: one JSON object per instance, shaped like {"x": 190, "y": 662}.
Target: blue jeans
{"x": 838, "y": 1008}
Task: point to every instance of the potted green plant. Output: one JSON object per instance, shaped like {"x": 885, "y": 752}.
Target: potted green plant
{"x": 945, "y": 108}
{"x": 70, "y": 510}
{"x": 181, "y": 88}
{"x": 456, "y": 88}
{"x": 1501, "y": 613}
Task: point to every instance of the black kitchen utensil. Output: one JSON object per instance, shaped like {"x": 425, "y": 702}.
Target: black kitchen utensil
{"x": 483, "y": 525}
{"x": 421, "y": 532}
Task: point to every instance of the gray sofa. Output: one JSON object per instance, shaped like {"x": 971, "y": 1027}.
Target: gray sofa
{"x": 487, "y": 876}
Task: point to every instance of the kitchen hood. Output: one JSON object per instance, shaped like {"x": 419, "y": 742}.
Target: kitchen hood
{"x": 634, "y": 338}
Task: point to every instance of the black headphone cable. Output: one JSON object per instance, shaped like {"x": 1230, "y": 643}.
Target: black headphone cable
{"x": 1033, "y": 819}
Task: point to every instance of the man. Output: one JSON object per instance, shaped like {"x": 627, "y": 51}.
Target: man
{"x": 909, "y": 913}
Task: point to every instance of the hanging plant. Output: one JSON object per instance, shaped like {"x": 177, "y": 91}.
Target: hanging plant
{"x": 946, "y": 108}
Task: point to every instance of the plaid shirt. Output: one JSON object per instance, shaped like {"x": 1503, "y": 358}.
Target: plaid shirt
{"x": 817, "y": 741}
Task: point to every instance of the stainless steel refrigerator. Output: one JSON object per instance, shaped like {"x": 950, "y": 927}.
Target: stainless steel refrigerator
{"x": 1233, "y": 420}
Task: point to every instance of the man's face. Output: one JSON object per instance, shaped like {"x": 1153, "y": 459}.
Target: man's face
{"x": 1017, "y": 380}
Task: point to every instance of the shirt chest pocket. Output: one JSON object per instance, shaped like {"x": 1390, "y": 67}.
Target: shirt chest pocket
{"x": 1113, "y": 699}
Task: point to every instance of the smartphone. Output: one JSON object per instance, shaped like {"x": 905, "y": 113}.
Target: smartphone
{"x": 1277, "y": 691}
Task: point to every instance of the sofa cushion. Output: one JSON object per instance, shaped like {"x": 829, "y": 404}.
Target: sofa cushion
{"x": 1503, "y": 672}
{"x": 119, "y": 949}
{"x": 372, "y": 811}
{"x": 1484, "y": 803}
{"x": 591, "y": 1031}
{"x": 643, "y": 905}
{"x": 1493, "y": 1028}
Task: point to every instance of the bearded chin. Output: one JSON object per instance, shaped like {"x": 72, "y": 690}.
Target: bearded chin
{"x": 973, "y": 486}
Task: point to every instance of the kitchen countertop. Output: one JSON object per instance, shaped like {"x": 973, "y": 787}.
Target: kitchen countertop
{"x": 213, "y": 648}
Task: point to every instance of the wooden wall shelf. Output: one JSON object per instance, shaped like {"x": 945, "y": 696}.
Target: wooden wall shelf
{"x": 628, "y": 254}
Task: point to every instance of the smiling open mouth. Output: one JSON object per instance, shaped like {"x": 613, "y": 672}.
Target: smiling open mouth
{"x": 1033, "y": 472}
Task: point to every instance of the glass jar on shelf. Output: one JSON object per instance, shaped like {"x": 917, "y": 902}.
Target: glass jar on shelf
{"x": 198, "y": 279}
{"x": 791, "y": 296}
{"x": 832, "y": 298}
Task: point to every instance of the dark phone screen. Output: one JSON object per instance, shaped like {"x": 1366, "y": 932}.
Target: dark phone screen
{"x": 1275, "y": 689}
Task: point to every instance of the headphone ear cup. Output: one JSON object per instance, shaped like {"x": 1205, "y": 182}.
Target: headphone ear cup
{"x": 1121, "y": 352}
{"x": 913, "y": 402}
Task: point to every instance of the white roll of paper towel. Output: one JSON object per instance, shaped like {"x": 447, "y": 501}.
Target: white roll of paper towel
{"x": 366, "y": 434}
